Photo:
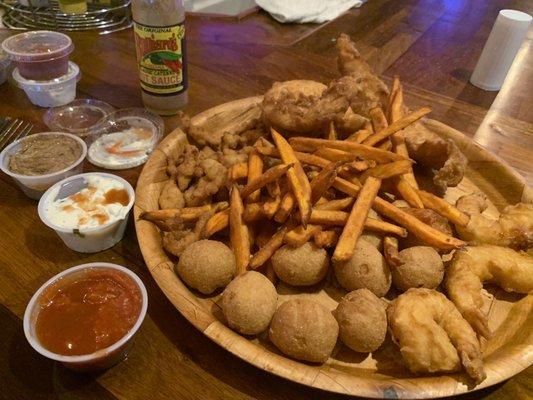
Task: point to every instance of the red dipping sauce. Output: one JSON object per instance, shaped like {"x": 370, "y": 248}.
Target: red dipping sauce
{"x": 87, "y": 311}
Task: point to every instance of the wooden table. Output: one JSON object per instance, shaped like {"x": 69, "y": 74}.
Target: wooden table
{"x": 432, "y": 44}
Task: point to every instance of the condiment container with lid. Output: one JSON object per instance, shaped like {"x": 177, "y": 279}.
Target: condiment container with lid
{"x": 5, "y": 62}
{"x": 52, "y": 93}
{"x": 92, "y": 239}
{"x": 101, "y": 359}
{"x": 126, "y": 138}
{"x": 80, "y": 117}
{"x": 39, "y": 55}
{"x": 34, "y": 186}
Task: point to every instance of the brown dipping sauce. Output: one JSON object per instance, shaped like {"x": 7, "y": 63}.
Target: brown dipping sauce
{"x": 87, "y": 311}
{"x": 44, "y": 154}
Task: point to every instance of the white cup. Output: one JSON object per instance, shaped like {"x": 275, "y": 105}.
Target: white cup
{"x": 89, "y": 240}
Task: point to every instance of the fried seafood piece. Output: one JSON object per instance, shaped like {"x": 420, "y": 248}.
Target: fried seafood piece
{"x": 514, "y": 227}
{"x": 181, "y": 235}
{"x": 171, "y": 196}
{"x": 432, "y": 334}
{"x": 215, "y": 176}
{"x": 287, "y": 106}
{"x": 443, "y": 157}
{"x": 473, "y": 266}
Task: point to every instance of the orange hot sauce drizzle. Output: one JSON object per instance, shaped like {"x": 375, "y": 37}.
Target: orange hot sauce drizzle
{"x": 88, "y": 311}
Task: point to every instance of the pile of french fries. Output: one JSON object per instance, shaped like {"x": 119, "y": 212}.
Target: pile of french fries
{"x": 322, "y": 190}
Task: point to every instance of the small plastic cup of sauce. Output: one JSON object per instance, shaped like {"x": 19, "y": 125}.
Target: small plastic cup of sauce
{"x": 86, "y": 316}
{"x": 34, "y": 185}
{"x": 39, "y": 55}
{"x": 103, "y": 228}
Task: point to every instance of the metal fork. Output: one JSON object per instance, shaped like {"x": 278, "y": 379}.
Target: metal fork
{"x": 13, "y": 129}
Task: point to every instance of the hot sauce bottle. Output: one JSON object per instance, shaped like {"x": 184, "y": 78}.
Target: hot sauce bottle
{"x": 159, "y": 31}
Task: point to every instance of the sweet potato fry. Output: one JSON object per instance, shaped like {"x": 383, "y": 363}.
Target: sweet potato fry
{"x": 378, "y": 119}
{"x": 216, "y": 223}
{"x": 270, "y": 175}
{"x": 361, "y": 150}
{"x": 265, "y": 233}
{"x": 326, "y": 238}
{"x": 268, "y": 249}
{"x": 359, "y": 166}
{"x": 273, "y": 189}
{"x": 384, "y": 171}
{"x": 285, "y": 208}
{"x": 443, "y": 208}
{"x": 298, "y": 181}
{"x": 271, "y": 206}
{"x": 238, "y": 171}
{"x": 395, "y": 110}
{"x": 187, "y": 213}
{"x": 397, "y": 126}
{"x": 332, "y": 132}
{"x": 300, "y": 235}
{"x": 255, "y": 171}
{"x": 253, "y": 212}
{"x": 304, "y": 158}
{"x": 335, "y": 205}
{"x": 390, "y": 251}
{"x": 323, "y": 181}
{"x": 239, "y": 235}
{"x": 408, "y": 193}
{"x": 359, "y": 136}
{"x": 334, "y": 154}
{"x": 354, "y": 225}
{"x": 386, "y": 145}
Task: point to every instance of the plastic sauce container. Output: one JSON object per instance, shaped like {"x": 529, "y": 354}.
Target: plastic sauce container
{"x": 52, "y": 93}
{"x": 101, "y": 359}
{"x": 93, "y": 239}
{"x": 5, "y": 62}
{"x": 34, "y": 186}
{"x": 40, "y": 55}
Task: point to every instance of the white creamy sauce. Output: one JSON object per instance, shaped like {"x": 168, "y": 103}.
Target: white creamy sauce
{"x": 127, "y": 148}
{"x": 89, "y": 207}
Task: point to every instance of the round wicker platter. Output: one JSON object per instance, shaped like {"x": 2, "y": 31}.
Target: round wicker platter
{"x": 382, "y": 374}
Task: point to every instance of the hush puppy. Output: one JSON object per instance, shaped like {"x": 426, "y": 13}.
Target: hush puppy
{"x": 421, "y": 266}
{"x": 206, "y": 265}
{"x": 366, "y": 269}
{"x": 304, "y": 330}
{"x": 249, "y": 302}
{"x": 301, "y": 266}
{"x": 362, "y": 320}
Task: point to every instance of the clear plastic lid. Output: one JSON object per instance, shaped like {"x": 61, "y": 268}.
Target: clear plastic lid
{"x": 37, "y": 46}
{"x": 126, "y": 138}
{"x": 52, "y": 84}
{"x": 80, "y": 117}
{"x": 4, "y": 59}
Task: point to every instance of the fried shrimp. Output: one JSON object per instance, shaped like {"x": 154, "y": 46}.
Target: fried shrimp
{"x": 469, "y": 269}
{"x": 432, "y": 334}
{"x": 514, "y": 227}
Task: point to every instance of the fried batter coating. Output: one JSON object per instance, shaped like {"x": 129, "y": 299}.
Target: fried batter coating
{"x": 514, "y": 227}
{"x": 420, "y": 266}
{"x": 432, "y": 334}
{"x": 443, "y": 157}
{"x": 470, "y": 268}
{"x": 171, "y": 196}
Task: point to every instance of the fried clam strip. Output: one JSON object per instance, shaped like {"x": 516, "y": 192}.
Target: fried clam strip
{"x": 356, "y": 220}
{"x": 469, "y": 269}
{"x": 396, "y": 126}
{"x": 239, "y": 234}
{"x": 298, "y": 181}
{"x": 270, "y": 175}
{"x": 442, "y": 207}
{"x": 185, "y": 214}
{"x": 255, "y": 170}
{"x": 339, "y": 218}
{"x": 360, "y": 150}
{"x": 424, "y": 232}
{"x": 432, "y": 334}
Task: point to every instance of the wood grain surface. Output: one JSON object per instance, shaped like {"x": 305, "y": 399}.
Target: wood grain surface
{"x": 434, "y": 44}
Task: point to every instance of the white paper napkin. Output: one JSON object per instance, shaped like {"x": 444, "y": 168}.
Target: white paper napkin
{"x": 303, "y": 11}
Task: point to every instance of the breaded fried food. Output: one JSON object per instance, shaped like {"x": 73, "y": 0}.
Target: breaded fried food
{"x": 472, "y": 267}
{"x": 362, "y": 320}
{"x": 249, "y": 302}
{"x": 432, "y": 334}
{"x": 366, "y": 269}
{"x": 304, "y": 330}
{"x": 514, "y": 227}
{"x": 206, "y": 265}
{"x": 301, "y": 266}
{"x": 171, "y": 196}
{"x": 287, "y": 106}
{"x": 441, "y": 156}
{"x": 419, "y": 267}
